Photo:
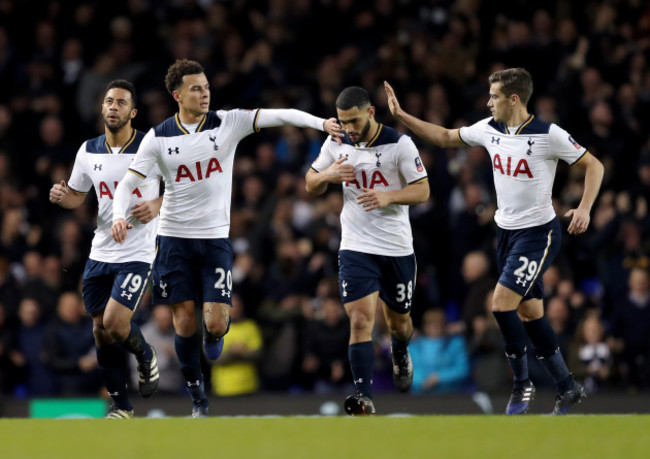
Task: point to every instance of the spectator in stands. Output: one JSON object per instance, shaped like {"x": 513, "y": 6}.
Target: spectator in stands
{"x": 630, "y": 326}
{"x": 69, "y": 349}
{"x": 326, "y": 348}
{"x": 235, "y": 373}
{"x": 28, "y": 351}
{"x": 440, "y": 360}
{"x": 159, "y": 333}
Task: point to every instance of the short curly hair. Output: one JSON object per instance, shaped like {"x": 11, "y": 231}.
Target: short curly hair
{"x": 176, "y": 72}
{"x": 127, "y": 86}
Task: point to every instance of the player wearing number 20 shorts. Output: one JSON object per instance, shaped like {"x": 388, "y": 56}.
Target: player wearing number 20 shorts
{"x": 195, "y": 151}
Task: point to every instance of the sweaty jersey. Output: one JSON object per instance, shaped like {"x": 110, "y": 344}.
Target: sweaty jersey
{"x": 102, "y": 167}
{"x": 389, "y": 161}
{"x": 523, "y": 164}
{"x": 197, "y": 170}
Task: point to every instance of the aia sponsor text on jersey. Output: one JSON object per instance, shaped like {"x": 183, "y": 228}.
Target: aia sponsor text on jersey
{"x": 377, "y": 178}
{"x": 105, "y": 190}
{"x": 194, "y": 172}
{"x": 506, "y": 166}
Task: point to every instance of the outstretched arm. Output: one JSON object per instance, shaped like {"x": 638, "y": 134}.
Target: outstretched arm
{"x": 593, "y": 178}
{"x": 280, "y": 117}
{"x": 437, "y": 135}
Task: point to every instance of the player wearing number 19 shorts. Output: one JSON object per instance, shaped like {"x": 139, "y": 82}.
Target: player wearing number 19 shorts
{"x": 382, "y": 174}
{"x": 116, "y": 276}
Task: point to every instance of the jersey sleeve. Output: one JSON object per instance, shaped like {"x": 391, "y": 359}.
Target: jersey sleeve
{"x": 326, "y": 157}
{"x": 563, "y": 146}
{"x": 239, "y": 123}
{"x": 473, "y": 135}
{"x": 272, "y": 117}
{"x": 410, "y": 164}
{"x": 79, "y": 180}
{"x": 146, "y": 157}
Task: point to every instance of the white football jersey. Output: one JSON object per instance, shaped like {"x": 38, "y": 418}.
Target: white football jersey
{"x": 97, "y": 166}
{"x": 523, "y": 165}
{"x": 197, "y": 170}
{"x": 389, "y": 161}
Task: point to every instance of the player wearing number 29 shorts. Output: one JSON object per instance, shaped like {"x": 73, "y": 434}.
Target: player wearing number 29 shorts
{"x": 523, "y": 255}
{"x": 524, "y": 152}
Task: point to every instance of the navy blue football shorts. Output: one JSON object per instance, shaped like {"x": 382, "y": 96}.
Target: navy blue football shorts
{"x": 524, "y": 255}
{"x": 124, "y": 282}
{"x": 361, "y": 274}
{"x": 192, "y": 269}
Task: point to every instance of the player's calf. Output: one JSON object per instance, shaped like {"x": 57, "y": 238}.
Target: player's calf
{"x": 403, "y": 371}
{"x": 213, "y": 344}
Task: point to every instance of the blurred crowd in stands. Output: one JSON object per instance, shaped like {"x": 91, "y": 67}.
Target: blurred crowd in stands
{"x": 591, "y": 67}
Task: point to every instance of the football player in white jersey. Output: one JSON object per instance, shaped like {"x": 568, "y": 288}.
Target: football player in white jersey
{"x": 195, "y": 151}
{"x": 524, "y": 152}
{"x": 116, "y": 275}
{"x": 381, "y": 173}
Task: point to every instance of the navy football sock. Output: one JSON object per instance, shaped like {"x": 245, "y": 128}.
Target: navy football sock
{"x": 112, "y": 368}
{"x": 548, "y": 352}
{"x": 188, "y": 351}
{"x": 514, "y": 336}
{"x": 399, "y": 347}
{"x": 362, "y": 360}
{"x": 136, "y": 344}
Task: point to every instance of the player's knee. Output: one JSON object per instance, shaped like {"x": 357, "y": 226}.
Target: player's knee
{"x": 116, "y": 328}
{"x": 217, "y": 328}
{"x": 502, "y": 303}
{"x": 402, "y": 328}
{"x": 529, "y": 314}
{"x": 184, "y": 324}
{"x": 102, "y": 337}
{"x": 360, "y": 322}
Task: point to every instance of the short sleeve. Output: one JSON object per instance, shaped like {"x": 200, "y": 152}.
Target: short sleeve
{"x": 410, "y": 164}
{"x": 239, "y": 123}
{"x": 146, "y": 157}
{"x": 80, "y": 181}
{"x": 473, "y": 135}
{"x": 563, "y": 146}
{"x": 326, "y": 157}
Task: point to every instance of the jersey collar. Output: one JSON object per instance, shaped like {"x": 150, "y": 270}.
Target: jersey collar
{"x": 125, "y": 146}
{"x": 199, "y": 128}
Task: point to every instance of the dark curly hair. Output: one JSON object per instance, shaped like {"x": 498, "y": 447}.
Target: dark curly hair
{"x": 176, "y": 72}
{"x": 351, "y": 97}
{"x": 126, "y": 85}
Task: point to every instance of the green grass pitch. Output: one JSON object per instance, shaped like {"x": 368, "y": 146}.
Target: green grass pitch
{"x": 531, "y": 436}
